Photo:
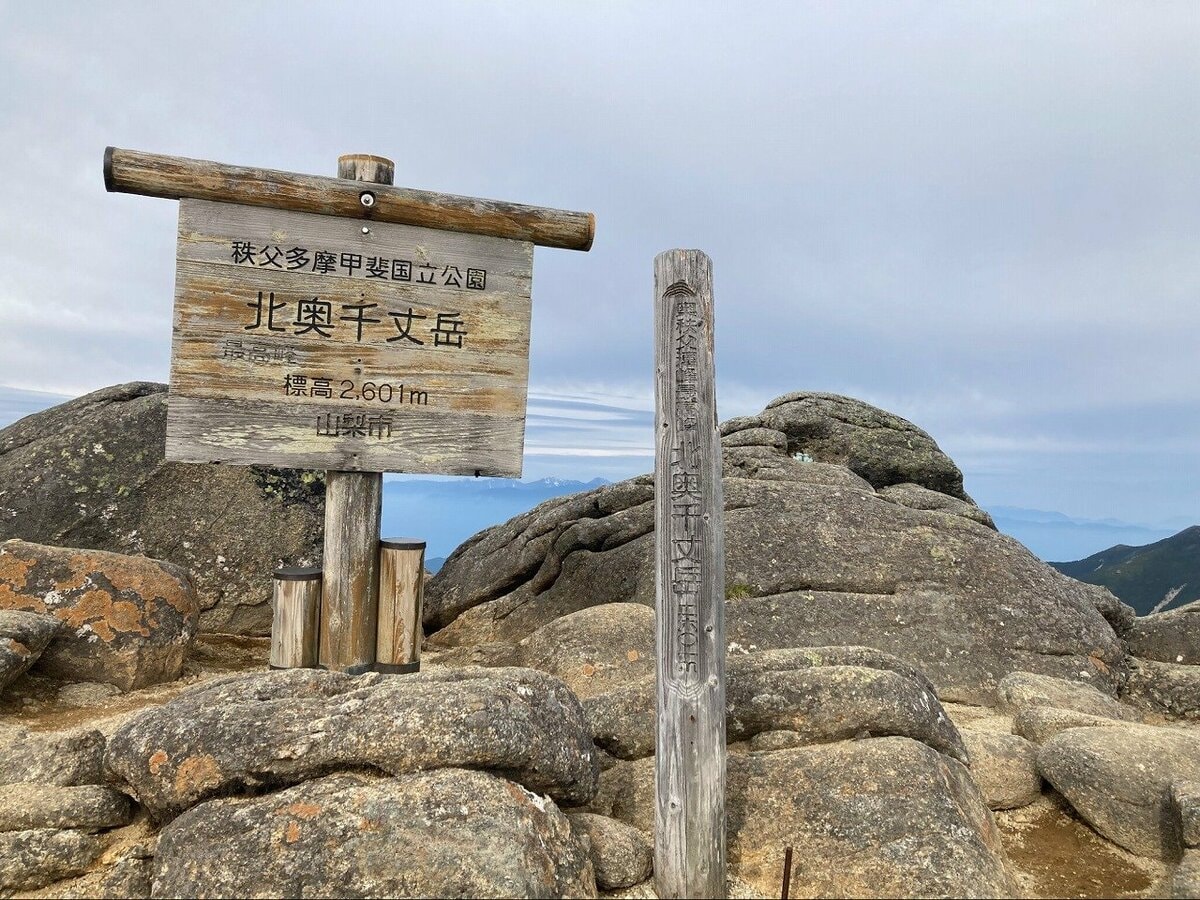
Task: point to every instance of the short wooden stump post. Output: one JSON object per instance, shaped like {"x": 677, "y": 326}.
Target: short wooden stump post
{"x": 401, "y": 588}
{"x": 294, "y": 628}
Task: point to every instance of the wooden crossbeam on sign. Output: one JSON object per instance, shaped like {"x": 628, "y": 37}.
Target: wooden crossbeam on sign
{"x": 689, "y": 829}
{"x": 177, "y": 178}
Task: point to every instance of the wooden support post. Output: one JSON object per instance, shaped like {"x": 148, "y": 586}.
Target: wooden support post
{"x": 353, "y": 508}
{"x": 689, "y": 832}
{"x": 297, "y": 607}
{"x": 401, "y": 588}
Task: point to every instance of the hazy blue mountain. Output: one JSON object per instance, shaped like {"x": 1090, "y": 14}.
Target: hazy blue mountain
{"x": 446, "y": 512}
{"x": 1159, "y": 576}
{"x": 17, "y": 403}
{"x": 1053, "y": 535}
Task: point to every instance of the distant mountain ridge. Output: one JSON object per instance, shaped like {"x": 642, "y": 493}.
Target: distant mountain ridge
{"x": 1151, "y": 578}
{"x": 1054, "y": 535}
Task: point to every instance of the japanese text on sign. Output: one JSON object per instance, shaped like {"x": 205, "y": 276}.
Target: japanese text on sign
{"x": 316, "y": 317}
{"x": 301, "y": 340}
{"x": 325, "y": 262}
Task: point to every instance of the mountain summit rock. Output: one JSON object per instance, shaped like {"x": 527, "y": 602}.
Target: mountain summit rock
{"x": 844, "y": 524}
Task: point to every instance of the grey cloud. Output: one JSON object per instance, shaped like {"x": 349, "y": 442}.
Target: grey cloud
{"x": 982, "y": 216}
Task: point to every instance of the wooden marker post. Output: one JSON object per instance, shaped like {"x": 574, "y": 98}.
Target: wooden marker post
{"x": 353, "y": 509}
{"x": 297, "y": 608}
{"x": 689, "y": 827}
{"x": 401, "y": 589}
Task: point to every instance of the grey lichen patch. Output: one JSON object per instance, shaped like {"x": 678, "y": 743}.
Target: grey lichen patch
{"x": 291, "y": 486}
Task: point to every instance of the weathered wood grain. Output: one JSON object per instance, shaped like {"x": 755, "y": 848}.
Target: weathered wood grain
{"x": 350, "y": 587}
{"x": 294, "y": 628}
{"x": 366, "y": 167}
{"x": 247, "y": 432}
{"x": 401, "y": 589}
{"x": 241, "y": 348}
{"x": 353, "y": 510}
{"x": 176, "y": 178}
{"x": 689, "y": 840}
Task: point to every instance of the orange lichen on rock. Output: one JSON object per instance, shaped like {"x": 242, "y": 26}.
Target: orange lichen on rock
{"x": 157, "y": 760}
{"x": 301, "y": 810}
{"x": 291, "y": 834}
{"x": 14, "y": 576}
{"x": 105, "y": 616}
{"x": 135, "y": 574}
{"x": 197, "y": 774}
{"x": 13, "y": 568}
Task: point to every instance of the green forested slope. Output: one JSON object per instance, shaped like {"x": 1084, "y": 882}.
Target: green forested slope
{"x": 1144, "y": 576}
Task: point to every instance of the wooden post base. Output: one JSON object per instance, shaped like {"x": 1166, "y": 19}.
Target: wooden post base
{"x": 294, "y": 626}
{"x": 401, "y": 589}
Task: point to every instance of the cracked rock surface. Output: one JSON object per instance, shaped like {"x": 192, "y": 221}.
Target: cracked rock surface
{"x": 23, "y": 637}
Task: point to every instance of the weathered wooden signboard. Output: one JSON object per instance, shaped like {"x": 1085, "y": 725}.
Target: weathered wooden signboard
{"x": 312, "y": 341}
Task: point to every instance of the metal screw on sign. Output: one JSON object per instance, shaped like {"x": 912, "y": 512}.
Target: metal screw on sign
{"x": 367, "y": 199}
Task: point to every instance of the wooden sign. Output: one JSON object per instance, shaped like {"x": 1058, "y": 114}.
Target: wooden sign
{"x": 689, "y": 833}
{"x": 351, "y": 325}
{"x": 312, "y": 341}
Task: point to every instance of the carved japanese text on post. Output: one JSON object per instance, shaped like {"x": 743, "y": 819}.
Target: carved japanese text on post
{"x": 312, "y": 341}
{"x": 689, "y": 843}
{"x": 689, "y": 530}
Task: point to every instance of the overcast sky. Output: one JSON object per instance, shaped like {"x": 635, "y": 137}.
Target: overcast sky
{"x": 982, "y": 216}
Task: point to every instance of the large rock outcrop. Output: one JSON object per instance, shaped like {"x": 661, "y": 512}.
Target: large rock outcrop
{"x": 254, "y": 733}
{"x": 789, "y": 698}
{"x": 1119, "y": 780}
{"x": 126, "y": 620}
{"x": 1170, "y": 637}
{"x": 448, "y": 833}
{"x": 90, "y": 473}
{"x": 876, "y": 445}
{"x": 881, "y": 817}
{"x": 817, "y": 553}
{"x": 23, "y": 637}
